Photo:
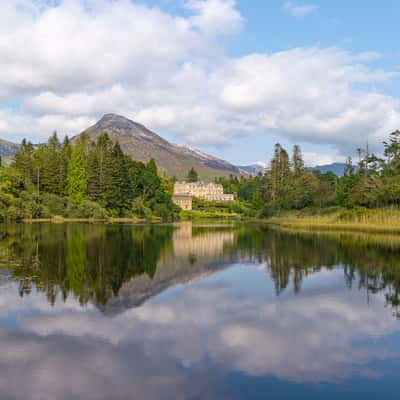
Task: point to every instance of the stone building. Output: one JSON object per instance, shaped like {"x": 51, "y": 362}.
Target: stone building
{"x": 202, "y": 190}
{"x": 183, "y": 201}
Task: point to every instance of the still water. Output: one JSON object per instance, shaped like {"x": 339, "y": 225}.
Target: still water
{"x": 197, "y": 312}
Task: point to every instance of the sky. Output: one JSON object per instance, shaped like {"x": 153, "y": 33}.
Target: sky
{"x": 228, "y": 77}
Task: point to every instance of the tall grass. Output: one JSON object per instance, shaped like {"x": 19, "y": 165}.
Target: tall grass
{"x": 358, "y": 219}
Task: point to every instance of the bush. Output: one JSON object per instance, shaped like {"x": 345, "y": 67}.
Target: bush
{"x": 86, "y": 209}
{"x": 139, "y": 208}
{"x": 53, "y": 204}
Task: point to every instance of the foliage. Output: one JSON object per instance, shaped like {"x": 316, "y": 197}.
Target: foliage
{"x": 83, "y": 179}
{"x": 289, "y": 185}
{"x": 192, "y": 175}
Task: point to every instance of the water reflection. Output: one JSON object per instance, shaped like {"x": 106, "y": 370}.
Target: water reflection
{"x": 197, "y": 312}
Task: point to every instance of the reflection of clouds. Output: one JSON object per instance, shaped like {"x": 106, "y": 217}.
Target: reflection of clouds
{"x": 309, "y": 337}
{"x": 305, "y": 338}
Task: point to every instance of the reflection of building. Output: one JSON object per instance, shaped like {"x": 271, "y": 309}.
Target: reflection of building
{"x": 202, "y": 190}
{"x": 197, "y": 251}
{"x": 206, "y": 242}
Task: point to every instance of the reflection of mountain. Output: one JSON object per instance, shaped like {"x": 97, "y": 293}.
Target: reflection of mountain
{"x": 224, "y": 338}
{"x": 117, "y": 267}
{"x": 196, "y": 252}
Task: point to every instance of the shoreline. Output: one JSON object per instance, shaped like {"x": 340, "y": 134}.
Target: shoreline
{"x": 111, "y": 220}
{"x": 317, "y": 225}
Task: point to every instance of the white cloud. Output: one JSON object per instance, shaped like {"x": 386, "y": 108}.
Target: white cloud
{"x": 297, "y": 10}
{"x": 215, "y": 16}
{"x": 69, "y": 64}
{"x": 309, "y": 94}
{"x": 312, "y": 158}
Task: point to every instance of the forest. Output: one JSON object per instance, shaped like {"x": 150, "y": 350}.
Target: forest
{"x": 83, "y": 179}
{"x": 86, "y": 179}
{"x": 372, "y": 182}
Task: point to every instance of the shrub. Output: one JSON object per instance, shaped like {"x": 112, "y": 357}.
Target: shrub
{"x": 53, "y": 204}
{"x": 86, "y": 209}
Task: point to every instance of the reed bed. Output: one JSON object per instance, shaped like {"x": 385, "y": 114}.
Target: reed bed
{"x": 361, "y": 220}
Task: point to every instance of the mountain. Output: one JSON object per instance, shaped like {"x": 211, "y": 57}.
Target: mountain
{"x": 337, "y": 168}
{"x": 8, "y": 149}
{"x": 253, "y": 169}
{"x": 142, "y": 144}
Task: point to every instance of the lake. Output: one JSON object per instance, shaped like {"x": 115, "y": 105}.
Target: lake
{"x": 197, "y": 311}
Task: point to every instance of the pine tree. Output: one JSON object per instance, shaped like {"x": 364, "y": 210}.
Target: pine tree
{"x": 104, "y": 148}
{"x": 50, "y": 166}
{"x": 297, "y": 161}
{"x": 192, "y": 175}
{"x": 23, "y": 161}
{"x": 64, "y": 157}
{"x": 150, "y": 180}
{"x": 94, "y": 190}
{"x": 76, "y": 180}
{"x": 119, "y": 195}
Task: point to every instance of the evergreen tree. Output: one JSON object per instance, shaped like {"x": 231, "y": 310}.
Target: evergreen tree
{"x": 50, "y": 166}
{"x": 77, "y": 180}
{"x": 94, "y": 190}
{"x": 104, "y": 150}
{"x": 64, "y": 157}
{"x": 297, "y": 161}
{"x": 23, "y": 161}
{"x": 192, "y": 175}
{"x": 119, "y": 196}
{"x": 151, "y": 182}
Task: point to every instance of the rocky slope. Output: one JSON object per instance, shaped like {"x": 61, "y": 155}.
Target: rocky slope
{"x": 7, "y": 149}
{"x": 142, "y": 144}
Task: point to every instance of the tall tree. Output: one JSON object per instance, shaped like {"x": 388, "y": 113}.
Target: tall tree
{"x": 297, "y": 161}
{"x": 77, "y": 180}
{"x": 23, "y": 161}
{"x": 192, "y": 175}
{"x": 119, "y": 196}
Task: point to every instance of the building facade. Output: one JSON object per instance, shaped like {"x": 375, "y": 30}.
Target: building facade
{"x": 183, "y": 201}
{"x": 202, "y": 190}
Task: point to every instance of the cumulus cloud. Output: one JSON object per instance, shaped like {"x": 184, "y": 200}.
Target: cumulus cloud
{"x": 297, "y": 10}
{"x": 66, "y": 63}
{"x": 215, "y": 16}
{"x": 309, "y": 94}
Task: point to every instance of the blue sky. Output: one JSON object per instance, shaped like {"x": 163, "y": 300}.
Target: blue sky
{"x": 228, "y": 77}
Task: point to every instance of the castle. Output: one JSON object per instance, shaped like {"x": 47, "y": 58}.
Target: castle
{"x": 185, "y": 191}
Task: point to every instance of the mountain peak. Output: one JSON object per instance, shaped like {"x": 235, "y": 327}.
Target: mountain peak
{"x": 112, "y": 116}
{"x": 142, "y": 144}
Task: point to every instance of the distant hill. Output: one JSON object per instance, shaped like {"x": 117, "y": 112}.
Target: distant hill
{"x": 142, "y": 144}
{"x": 8, "y": 149}
{"x": 336, "y": 168}
{"x": 253, "y": 169}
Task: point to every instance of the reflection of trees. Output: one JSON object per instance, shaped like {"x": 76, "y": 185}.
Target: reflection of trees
{"x": 91, "y": 261}
{"x": 370, "y": 261}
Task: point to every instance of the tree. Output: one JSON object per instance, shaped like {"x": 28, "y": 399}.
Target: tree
{"x": 297, "y": 160}
{"x": 192, "y": 175}
{"x": 23, "y": 161}
{"x": 94, "y": 189}
{"x": 119, "y": 196}
{"x": 77, "y": 179}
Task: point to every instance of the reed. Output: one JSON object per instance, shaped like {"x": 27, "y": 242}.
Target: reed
{"x": 359, "y": 219}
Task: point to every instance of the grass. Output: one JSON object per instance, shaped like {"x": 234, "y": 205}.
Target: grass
{"x": 358, "y": 219}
